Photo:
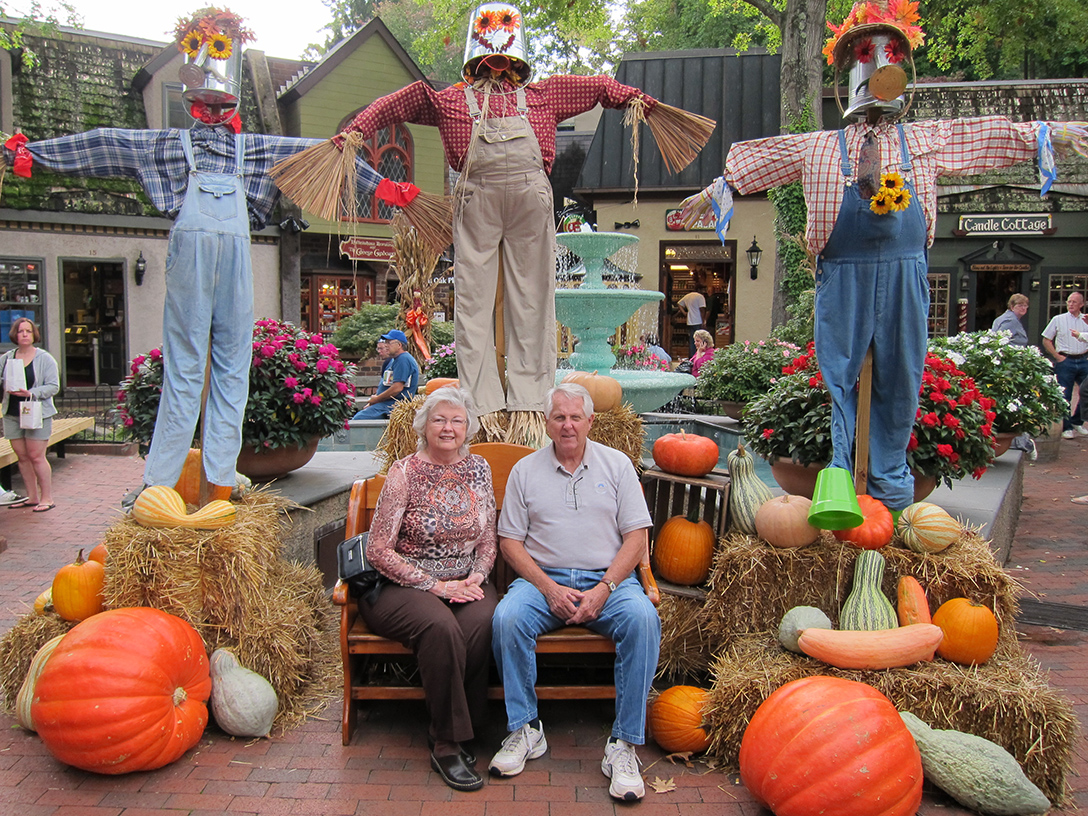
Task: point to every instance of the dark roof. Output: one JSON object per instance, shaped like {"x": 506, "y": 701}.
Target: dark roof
{"x": 738, "y": 90}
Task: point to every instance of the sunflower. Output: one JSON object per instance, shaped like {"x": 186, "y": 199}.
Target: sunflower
{"x": 881, "y": 203}
{"x": 892, "y": 181}
{"x": 220, "y": 47}
{"x": 899, "y": 199}
{"x": 486, "y": 23}
{"x": 191, "y": 42}
{"x": 509, "y": 19}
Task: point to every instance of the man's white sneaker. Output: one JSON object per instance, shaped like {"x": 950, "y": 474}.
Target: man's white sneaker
{"x": 519, "y": 746}
{"x": 621, "y": 766}
{"x": 1068, "y": 434}
{"x": 10, "y": 497}
{"x": 1081, "y": 430}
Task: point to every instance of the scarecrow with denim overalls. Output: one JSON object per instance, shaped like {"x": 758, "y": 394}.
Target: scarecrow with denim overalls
{"x": 872, "y": 203}
{"x": 213, "y": 181}
{"x": 498, "y": 130}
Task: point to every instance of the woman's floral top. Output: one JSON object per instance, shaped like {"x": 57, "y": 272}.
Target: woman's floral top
{"x": 434, "y": 522}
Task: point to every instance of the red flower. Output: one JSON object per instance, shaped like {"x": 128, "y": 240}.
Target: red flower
{"x": 913, "y": 443}
{"x": 945, "y": 451}
{"x": 768, "y": 433}
{"x": 950, "y": 421}
{"x": 863, "y": 49}
{"x": 977, "y": 472}
{"x": 930, "y": 419}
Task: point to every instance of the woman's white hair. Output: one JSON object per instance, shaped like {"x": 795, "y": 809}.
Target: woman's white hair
{"x": 447, "y": 395}
{"x": 572, "y": 390}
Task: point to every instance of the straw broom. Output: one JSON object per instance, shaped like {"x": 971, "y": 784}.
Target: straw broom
{"x": 680, "y": 135}
{"x": 321, "y": 179}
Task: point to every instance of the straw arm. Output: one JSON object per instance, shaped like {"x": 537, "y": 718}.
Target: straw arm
{"x": 679, "y": 134}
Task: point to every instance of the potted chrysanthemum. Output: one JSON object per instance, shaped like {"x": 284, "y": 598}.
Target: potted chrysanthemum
{"x": 742, "y": 372}
{"x": 953, "y": 434}
{"x": 1019, "y": 379}
{"x": 299, "y": 391}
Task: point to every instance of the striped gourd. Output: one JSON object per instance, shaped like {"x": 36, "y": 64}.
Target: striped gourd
{"x": 26, "y": 693}
{"x": 747, "y": 492}
{"x": 159, "y": 506}
{"x": 215, "y": 514}
{"x": 927, "y": 528}
{"x": 866, "y": 607}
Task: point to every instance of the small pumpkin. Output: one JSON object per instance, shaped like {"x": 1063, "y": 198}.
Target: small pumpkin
{"x": 44, "y": 602}
{"x": 830, "y": 745}
{"x": 676, "y": 719}
{"x": 783, "y": 522}
{"x": 440, "y": 382}
{"x": 98, "y": 553}
{"x": 796, "y": 621}
{"x": 607, "y": 393}
{"x": 927, "y": 528}
{"x": 684, "y": 549}
{"x": 26, "y": 692}
{"x": 244, "y": 703}
{"x": 77, "y": 589}
{"x": 747, "y": 492}
{"x": 912, "y": 605}
{"x": 685, "y": 454}
{"x": 873, "y": 533}
{"x": 970, "y": 631}
{"x": 125, "y": 691}
{"x": 188, "y": 486}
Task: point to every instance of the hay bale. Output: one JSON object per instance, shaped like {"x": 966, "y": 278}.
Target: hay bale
{"x": 620, "y": 428}
{"x": 1006, "y": 700}
{"x": 18, "y": 647}
{"x": 233, "y": 587}
{"x": 684, "y": 647}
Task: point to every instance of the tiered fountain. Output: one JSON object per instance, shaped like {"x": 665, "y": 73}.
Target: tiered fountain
{"x": 592, "y": 312}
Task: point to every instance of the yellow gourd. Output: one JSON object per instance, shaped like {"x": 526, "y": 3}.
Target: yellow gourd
{"x": 160, "y": 506}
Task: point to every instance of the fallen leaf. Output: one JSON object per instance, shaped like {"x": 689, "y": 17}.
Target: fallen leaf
{"x": 662, "y": 785}
{"x": 680, "y": 757}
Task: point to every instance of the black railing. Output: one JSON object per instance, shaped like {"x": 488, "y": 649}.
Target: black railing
{"x": 100, "y": 402}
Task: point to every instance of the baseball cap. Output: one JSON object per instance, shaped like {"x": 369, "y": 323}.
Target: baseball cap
{"x": 396, "y": 334}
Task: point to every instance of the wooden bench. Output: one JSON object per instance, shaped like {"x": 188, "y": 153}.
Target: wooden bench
{"x": 62, "y": 429}
{"x": 359, "y": 645}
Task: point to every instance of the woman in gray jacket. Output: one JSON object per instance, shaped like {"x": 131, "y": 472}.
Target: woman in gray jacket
{"x": 42, "y": 382}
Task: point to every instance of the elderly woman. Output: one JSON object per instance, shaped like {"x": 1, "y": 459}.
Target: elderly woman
{"x": 704, "y": 350}
{"x": 433, "y": 538}
{"x": 42, "y": 382}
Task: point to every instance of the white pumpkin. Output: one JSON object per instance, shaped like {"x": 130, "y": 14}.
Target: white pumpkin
{"x": 244, "y": 704}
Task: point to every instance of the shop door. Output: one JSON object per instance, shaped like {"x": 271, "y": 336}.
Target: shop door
{"x": 93, "y": 310}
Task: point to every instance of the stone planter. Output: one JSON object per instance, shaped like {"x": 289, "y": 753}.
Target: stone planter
{"x": 1004, "y": 440}
{"x": 800, "y": 480}
{"x": 265, "y": 464}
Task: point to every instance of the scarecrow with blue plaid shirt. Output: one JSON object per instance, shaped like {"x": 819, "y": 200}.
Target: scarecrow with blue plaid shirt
{"x": 213, "y": 182}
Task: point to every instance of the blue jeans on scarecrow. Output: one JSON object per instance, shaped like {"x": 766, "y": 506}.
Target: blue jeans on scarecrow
{"x": 872, "y": 290}
{"x": 209, "y": 302}
{"x": 628, "y": 619}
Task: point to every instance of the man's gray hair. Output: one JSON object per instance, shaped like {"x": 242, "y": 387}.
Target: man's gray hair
{"x": 572, "y": 390}
{"x": 447, "y": 395}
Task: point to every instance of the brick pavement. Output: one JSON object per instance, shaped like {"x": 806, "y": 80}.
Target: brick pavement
{"x": 386, "y": 771}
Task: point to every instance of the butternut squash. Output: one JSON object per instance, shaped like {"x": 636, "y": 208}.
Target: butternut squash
{"x": 912, "y": 604}
{"x": 882, "y": 649}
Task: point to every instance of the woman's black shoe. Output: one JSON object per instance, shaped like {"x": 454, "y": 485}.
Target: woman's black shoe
{"x": 456, "y": 773}
{"x": 467, "y": 754}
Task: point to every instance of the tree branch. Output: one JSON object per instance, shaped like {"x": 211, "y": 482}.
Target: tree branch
{"x": 767, "y": 10}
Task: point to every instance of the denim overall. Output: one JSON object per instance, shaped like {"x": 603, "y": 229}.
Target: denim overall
{"x": 872, "y": 290}
{"x": 504, "y": 221}
{"x": 209, "y": 302}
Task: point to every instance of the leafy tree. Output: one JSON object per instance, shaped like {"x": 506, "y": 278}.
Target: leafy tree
{"x": 36, "y": 20}
{"x": 675, "y": 25}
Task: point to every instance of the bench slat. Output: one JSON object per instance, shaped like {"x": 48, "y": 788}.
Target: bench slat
{"x": 62, "y": 429}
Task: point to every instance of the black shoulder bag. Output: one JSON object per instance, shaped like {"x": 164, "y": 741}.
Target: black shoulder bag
{"x": 363, "y": 580}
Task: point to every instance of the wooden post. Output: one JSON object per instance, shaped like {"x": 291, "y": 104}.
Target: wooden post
{"x": 500, "y": 325}
{"x": 861, "y": 428}
{"x": 205, "y": 486}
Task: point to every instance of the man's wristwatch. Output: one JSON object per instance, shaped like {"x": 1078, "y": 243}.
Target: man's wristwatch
{"x": 610, "y": 584}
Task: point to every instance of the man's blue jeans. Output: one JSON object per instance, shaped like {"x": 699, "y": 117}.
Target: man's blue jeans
{"x": 1072, "y": 371}
{"x": 628, "y": 619}
{"x": 379, "y": 410}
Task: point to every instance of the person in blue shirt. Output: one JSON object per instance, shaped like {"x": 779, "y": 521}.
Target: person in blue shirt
{"x": 399, "y": 379}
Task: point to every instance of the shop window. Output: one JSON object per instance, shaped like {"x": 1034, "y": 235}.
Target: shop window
{"x": 1060, "y": 287}
{"x": 940, "y": 284}
{"x": 390, "y": 152}
{"x": 175, "y": 112}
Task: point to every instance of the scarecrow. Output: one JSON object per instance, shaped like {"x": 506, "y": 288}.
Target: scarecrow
{"x": 214, "y": 182}
{"x": 872, "y": 201}
{"x": 498, "y": 130}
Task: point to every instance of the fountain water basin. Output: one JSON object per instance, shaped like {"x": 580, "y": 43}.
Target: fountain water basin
{"x": 592, "y": 312}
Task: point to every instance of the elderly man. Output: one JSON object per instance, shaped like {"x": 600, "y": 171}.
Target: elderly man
{"x": 574, "y": 527}
{"x": 1065, "y": 338}
{"x": 399, "y": 378}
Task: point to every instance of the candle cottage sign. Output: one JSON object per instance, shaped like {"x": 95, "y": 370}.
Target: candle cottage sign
{"x": 1006, "y": 224}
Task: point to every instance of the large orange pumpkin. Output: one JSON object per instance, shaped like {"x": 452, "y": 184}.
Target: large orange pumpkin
{"x": 684, "y": 549}
{"x": 873, "y": 533}
{"x": 685, "y": 454}
{"x": 676, "y": 719}
{"x": 970, "y": 631}
{"x": 124, "y": 691}
{"x": 830, "y": 745}
{"x": 607, "y": 393}
{"x": 77, "y": 589}
{"x": 188, "y": 485}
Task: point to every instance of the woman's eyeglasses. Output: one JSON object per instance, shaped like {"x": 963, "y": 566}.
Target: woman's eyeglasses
{"x": 439, "y": 422}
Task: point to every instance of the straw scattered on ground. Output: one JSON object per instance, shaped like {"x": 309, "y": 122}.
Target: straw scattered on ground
{"x": 18, "y": 647}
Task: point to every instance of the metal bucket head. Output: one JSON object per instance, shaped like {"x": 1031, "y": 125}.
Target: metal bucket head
{"x": 875, "y": 56}
{"x": 496, "y": 29}
{"x": 212, "y": 45}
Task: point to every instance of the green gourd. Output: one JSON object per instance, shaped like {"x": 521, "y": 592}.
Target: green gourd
{"x": 977, "y": 773}
{"x": 798, "y": 620}
{"x": 866, "y": 607}
{"x": 243, "y": 702}
{"x": 747, "y": 492}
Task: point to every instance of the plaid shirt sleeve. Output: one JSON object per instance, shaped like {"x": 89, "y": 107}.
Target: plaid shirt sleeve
{"x": 416, "y": 104}
{"x": 963, "y": 147}
{"x": 569, "y": 95}
{"x": 760, "y": 164}
{"x": 102, "y": 153}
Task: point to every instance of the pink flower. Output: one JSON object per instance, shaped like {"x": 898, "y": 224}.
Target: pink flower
{"x": 306, "y": 392}
{"x": 301, "y": 344}
{"x": 268, "y": 350}
{"x": 290, "y": 382}
{"x": 155, "y": 354}
{"x": 316, "y": 399}
{"x": 322, "y": 366}
{"x": 339, "y": 367}
{"x": 298, "y": 397}
{"x": 342, "y": 387}
{"x": 300, "y": 365}
{"x": 329, "y": 350}
{"x": 129, "y": 422}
